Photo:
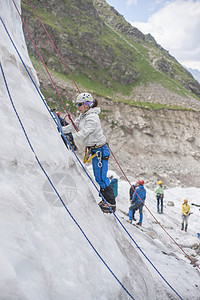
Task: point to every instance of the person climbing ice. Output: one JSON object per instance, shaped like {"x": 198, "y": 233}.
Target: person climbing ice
{"x": 69, "y": 135}
{"x": 114, "y": 183}
{"x": 91, "y": 134}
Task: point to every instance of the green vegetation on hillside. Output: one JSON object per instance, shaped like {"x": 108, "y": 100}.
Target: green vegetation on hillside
{"x": 103, "y": 58}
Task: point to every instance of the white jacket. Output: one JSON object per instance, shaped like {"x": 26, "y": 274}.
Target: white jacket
{"x": 90, "y": 131}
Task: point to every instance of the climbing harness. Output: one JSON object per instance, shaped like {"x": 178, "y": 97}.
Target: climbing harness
{"x": 74, "y": 124}
{"x": 87, "y": 175}
{"x": 111, "y": 209}
{"x": 51, "y": 183}
{"x": 67, "y": 208}
{"x": 109, "y": 148}
{"x": 89, "y": 156}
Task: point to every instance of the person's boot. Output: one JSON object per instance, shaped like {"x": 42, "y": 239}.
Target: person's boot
{"x": 109, "y": 196}
{"x": 182, "y": 226}
{"x": 186, "y": 227}
{"x": 133, "y": 217}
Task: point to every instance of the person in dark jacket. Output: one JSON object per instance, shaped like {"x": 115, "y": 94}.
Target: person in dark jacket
{"x": 138, "y": 199}
{"x": 68, "y": 136}
{"x": 131, "y": 192}
{"x": 114, "y": 183}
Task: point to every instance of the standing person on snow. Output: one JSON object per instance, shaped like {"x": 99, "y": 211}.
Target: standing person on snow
{"x": 185, "y": 214}
{"x": 138, "y": 199}
{"x": 159, "y": 196}
{"x": 91, "y": 134}
{"x": 131, "y": 191}
{"x": 114, "y": 183}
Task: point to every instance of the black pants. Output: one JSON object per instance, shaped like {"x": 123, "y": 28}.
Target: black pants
{"x": 159, "y": 203}
{"x": 108, "y": 194}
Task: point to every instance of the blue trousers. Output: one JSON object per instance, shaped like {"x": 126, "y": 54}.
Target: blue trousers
{"x": 135, "y": 206}
{"x": 100, "y": 166}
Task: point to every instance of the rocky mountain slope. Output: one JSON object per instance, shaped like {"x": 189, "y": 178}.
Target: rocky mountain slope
{"x": 103, "y": 51}
{"x": 150, "y": 103}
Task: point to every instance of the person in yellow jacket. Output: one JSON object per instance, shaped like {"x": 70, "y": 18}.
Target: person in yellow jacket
{"x": 185, "y": 214}
{"x": 159, "y": 196}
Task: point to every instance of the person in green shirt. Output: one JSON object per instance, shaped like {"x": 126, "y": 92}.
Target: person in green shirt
{"x": 159, "y": 196}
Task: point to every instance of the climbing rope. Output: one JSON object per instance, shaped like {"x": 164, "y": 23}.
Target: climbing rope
{"x": 69, "y": 116}
{"x": 54, "y": 188}
{"x": 85, "y": 159}
{"x": 84, "y": 167}
{"x": 153, "y": 215}
{"x": 109, "y": 147}
{"x": 54, "y": 46}
{"x": 119, "y": 220}
{"x": 43, "y": 70}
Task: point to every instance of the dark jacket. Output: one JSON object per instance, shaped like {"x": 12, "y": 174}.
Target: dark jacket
{"x": 140, "y": 193}
{"x": 63, "y": 122}
{"x": 114, "y": 183}
{"x": 131, "y": 191}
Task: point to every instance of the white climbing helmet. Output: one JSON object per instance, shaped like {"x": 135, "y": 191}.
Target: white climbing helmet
{"x": 85, "y": 98}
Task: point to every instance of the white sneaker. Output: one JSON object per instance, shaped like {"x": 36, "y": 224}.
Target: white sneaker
{"x": 129, "y": 221}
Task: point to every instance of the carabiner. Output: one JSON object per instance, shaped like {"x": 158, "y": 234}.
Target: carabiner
{"x": 99, "y": 158}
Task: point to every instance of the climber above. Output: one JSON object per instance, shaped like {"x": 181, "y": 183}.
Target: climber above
{"x": 68, "y": 136}
{"x": 91, "y": 134}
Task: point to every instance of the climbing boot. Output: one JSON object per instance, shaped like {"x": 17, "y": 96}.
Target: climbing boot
{"x": 182, "y": 226}
{"x": 101, "y": 203}
{"x": 108, "y": 194}
{"x": 106, "y": 209}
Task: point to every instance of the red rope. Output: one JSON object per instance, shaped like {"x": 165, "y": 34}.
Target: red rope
{"x": 69, "y": 116}
{"x": 77, "y": 128}
{"x": 53, "y": 45}
{"x": 151, "y": 212}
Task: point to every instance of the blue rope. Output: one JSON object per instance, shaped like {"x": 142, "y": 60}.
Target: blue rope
{"x": 38, "y": 161}
{"x": 90, "y": 176}
{"x": 43, "y": 70}
{"x": 44, "y": 101}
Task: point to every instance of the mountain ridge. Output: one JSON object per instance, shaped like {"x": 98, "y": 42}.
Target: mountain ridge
{"x": 159, "y": 116}
{"x": 105, "y": 53}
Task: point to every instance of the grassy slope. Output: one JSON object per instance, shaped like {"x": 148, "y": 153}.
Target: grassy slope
{"x": 121, "y": 44}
